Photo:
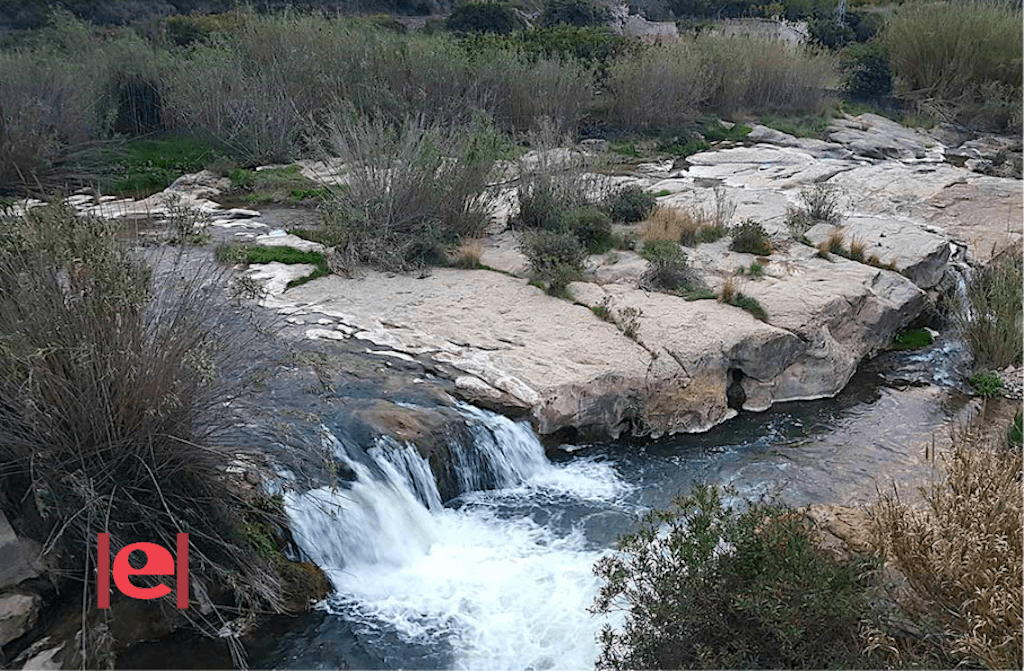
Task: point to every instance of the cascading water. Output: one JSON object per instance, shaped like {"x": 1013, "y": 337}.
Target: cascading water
{"x": 493, "y": 582}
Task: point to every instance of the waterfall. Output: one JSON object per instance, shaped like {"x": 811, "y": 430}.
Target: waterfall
{"x": 482, "y": 585}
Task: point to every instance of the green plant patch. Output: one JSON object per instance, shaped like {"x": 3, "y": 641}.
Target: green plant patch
{"x": 714, "y": 131}
{"x": 912, "y": 339}
{"x": 275, "y": 185}
{"x": 148, "y": 166}
{"x": 251, "y": 254}
{"x": 750, "y": 304}
{"x": 986, "y": 383}
{"x": 1015, "y": 432}
{"x": 801, "y": 125}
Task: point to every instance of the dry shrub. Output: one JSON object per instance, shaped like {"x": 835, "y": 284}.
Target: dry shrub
{"x": 659, "y": 87}
{"x": 467, "y": 255}
{"x": 728, "y": 290}
{"x": 415, "y": 189}
{"x": 961, "y": 555}
{"x": 114, "y": 376}
{"x": 835, "y": 241}
{"x": 857, "y": 250}
{"x": 669, "y": 223}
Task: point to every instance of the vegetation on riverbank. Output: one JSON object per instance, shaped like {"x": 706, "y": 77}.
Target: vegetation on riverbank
{"x": 116, "y": 371}
{"x": 707, "y": 584}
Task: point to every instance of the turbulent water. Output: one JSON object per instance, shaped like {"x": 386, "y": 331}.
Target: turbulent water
{"x": 481, "y": 584}
{"x": 502, "y": 579}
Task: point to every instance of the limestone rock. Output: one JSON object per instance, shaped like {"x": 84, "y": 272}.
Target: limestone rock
{"x": 282, "y": 239}
{"x": 18, "y": 613}
{"x": 876, "y": 137}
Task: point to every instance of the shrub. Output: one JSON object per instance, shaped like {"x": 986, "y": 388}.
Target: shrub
{"x": 114, "y": 377}
{"x": 986, "y": 383}
{"x": 704, "y": 585}
{"x": 1015, "y": 432}
{"x": 750, "y": 238}
{"x": 484, "y": 17}
{"x": 669, "y": 270}
{"x": 555, "y": 258}
{"x": 991, "y": 320}
{"x": 868, "y": 71}
{"x": 414, "y": 190}
{"x": 959, "y": 58}
{"x": 960, "y": 555}
{"x": 467, "y": 256}
{"x": 630, "y": 205}
{"x": 579, "y": 13}
{"x": 592, "y": 228}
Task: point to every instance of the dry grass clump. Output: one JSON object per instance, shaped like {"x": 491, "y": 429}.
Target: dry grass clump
{"x": 467, "y": 255}
{"x": 415, "y": 189}
{"x": 835, "y": 241}
{"x": 673, "y": 224}
{"x": 856, "y": 251}
{"x": 728, "y": 290}
{"x": 961, "y": 555}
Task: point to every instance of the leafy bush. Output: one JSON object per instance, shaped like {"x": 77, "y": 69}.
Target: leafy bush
{"x": 961, "y": 557}
{"x": 592, "y": 228}
{"x": 579, "y": 13}
{"x": 631, "y": 204}
{"x": 484, "y": 17}
{"x": 414, "y": 190}
{"x": 704, "y": 585}
{"x": 555, "y": 258}
{"x": 749, "y": 237}
{"x": 113, "y": 381}
{"x": 669, "y": 270}
{"x": 591, "y": 44}
{"x": 986, "y": 383}
{"x": 868, "y": 71}
{"x": 991, "y": 322}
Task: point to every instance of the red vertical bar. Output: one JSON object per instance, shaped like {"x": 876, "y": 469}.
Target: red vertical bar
{"x": 103, "y": 571}
{"x": 182, "y": 564}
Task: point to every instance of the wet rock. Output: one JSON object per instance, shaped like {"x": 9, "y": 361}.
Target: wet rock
{"x": 19, "y": 558}
{"x": 18, "y": 613}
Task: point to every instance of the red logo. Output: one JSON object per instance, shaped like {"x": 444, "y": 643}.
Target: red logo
{"x": 158, "y": 562}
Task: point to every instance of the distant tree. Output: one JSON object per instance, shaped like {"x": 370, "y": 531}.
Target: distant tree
{"x": 484, "y": 17}
{"x": 578, "y": 13}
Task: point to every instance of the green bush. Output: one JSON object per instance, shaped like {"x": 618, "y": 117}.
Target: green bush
{"x": 704, "y": 585}
{"x": 749, "y": 237}
{"x": 592, "y": 44}
{"x": 868, "y": 71}
{"x": 748, "y": 303}
{"x": 541, "y": 206}
{"x": 592, "y": 228}
{"x": 669, "y": 270}
{"x": 579, "y": 13}
{"x": 912, "y": 339}
{"x": 987, "y": 383}
{"x": 484, "y": 17}
{"x": 630, "y": 205}
{"x": 1015, "y": 432}
{"x": 555, "y": 258}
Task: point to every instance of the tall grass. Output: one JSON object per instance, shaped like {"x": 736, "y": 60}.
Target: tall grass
{"x": 414, "y": 189}
{"x": 959, "y": 59}
{"x": 961, "y": 555}
{"x": 672, "y": 84}
{"x": 991, "y": 320}
{"x": 113, "y": 379}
